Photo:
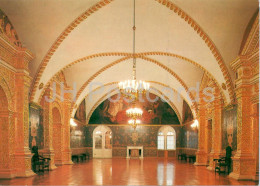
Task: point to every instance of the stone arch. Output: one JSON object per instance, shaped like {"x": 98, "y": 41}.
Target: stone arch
{"x": 125, "y": 56}
{"x": 6, "y": 130}
{"x": 173, "y": 74}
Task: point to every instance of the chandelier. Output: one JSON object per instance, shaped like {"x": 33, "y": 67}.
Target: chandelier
{"x": 133, "y": 88}
{"x": 134, "y": 122}
{"x": 134, "y": 113}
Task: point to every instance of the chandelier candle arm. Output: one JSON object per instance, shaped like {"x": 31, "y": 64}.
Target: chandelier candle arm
{"x": 134, "y": 113}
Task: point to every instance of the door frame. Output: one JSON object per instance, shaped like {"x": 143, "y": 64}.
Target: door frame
{"x": 103, "y": 152}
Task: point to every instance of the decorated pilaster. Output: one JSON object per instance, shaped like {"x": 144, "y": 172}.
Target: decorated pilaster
{"x": 243, "y": 161}
{"x": 201, "y": 155}
{"x": 7, "y": 152}
{"x": 22, "y": 85}
{"x": 66, "y": 154}
{"x": 216, "y": 151}
{"x": 255, "y": 138}
{"x": 46, "y": 103}
{"x": 255, "y": 114}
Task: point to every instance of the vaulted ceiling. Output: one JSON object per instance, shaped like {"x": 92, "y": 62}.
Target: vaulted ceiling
{"x": 91, "y": 42}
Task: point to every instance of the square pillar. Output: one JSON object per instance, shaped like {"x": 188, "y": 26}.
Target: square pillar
{"x": 243, "y": 161}
{"x": 22, "y": 84}
{"x": 201, "y": 155}
{"x": 48, "y": 150}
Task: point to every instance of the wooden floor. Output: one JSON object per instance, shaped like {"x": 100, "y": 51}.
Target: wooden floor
{"x": 120, "y": 171}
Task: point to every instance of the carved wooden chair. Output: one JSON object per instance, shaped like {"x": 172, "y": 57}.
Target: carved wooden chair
{"x": 39, "y": 163}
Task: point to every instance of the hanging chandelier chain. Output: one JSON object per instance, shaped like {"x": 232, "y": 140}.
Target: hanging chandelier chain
{"x": 134, "y": 59}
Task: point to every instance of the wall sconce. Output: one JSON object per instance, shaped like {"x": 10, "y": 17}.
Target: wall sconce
{"x": 73, "y": 123}
{"x": 195, "y": 125}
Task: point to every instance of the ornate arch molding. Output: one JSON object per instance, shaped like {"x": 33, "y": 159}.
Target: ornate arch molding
{"x": 113, "y": 90}
{"x": 144, "y": 58}
{"x": 192, "y": 62}
{"x": 207, "y": 40}
{"x": 60, "y": 39}
{"x": 102, "y": 3}
{"x": 128, "y": 56}
{"x": 8, "y": 93}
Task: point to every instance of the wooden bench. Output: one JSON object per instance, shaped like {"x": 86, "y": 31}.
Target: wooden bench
{"x": 191, "y": 158}
{"x": 80, "y": 157}
{"x": 182, "y": 156}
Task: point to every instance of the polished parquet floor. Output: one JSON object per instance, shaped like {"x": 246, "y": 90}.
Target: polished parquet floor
{"x": 121, "y": 171}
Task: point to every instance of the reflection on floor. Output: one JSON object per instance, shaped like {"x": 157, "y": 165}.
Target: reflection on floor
{"x": 120, "y": 171}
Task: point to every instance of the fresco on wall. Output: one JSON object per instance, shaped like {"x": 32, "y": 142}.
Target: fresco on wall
{"x": 36, "y": 135}
{"x": 81, "y": 112}
{"x": 7, "y": 29}
{"x": 78, "y": 136}
{"x": 122, "y": 136}
{"x": 229, "y": 128}
{"x": 114, "y": 112}
{"x": 186, "y": 113}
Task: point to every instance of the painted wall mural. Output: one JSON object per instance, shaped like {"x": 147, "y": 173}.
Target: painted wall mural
{"x": 78, "y": 136}
{"x": 81, "y": 112}
{"x": 189, "y": 138}
{"x": 122, "y": 136}
{"x": 186, "y": 113}
{"x": 229, "y": 128}
{"x": 36, "y": 136}
{"x": 114, "y": 112}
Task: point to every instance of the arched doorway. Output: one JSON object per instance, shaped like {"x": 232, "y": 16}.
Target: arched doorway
{"x": 57, "y": 135}
{"x": 4, "y": 130}
{"x": 166, "y": 141}
{"x": 102, "y": 142}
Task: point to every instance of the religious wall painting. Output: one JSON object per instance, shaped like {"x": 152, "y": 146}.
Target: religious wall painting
{"x": 155, "y": 111}
{"x": 78, "y": 136}
{"x": 81, "y": 112}
{"x": 229, "y": 128}
{"x": 36, "y": 135}
{"x": 189, "y": 138}
{"x": 186, "y": 113}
